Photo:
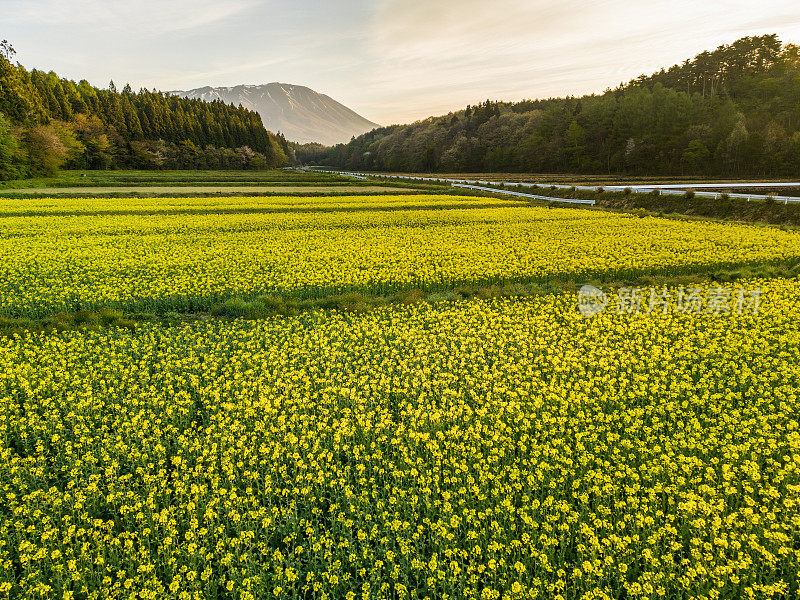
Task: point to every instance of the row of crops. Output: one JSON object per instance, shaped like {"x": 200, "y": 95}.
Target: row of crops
{"x": 191, "y": 260}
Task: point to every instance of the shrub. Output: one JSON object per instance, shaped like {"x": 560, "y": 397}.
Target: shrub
{"x": 689, "y": 194}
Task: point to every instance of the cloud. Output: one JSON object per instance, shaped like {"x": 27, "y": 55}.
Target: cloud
{"x": 435, "y": 50}
{"x": 150, "y": 17}
{"x": 238, "y": 68}
{"x": 392, "y": 60}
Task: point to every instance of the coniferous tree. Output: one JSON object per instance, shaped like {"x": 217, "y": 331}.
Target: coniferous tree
{"x": 60, "y": 122}
{"x": 730, "y": 112}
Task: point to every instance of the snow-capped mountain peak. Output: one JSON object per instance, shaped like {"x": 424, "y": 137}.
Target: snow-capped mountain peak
{"x": 298, "y": 112}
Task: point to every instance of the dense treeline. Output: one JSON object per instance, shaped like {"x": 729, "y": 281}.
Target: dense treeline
{"x": 731, "y": 112}
{"x": 47, "y": 122}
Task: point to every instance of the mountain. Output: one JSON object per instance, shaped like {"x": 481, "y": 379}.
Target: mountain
{"x": 730, "y": 112}
{"x": 299, "y": 113}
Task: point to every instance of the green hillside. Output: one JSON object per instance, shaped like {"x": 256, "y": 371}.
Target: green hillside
{"x": 732, "y": 112}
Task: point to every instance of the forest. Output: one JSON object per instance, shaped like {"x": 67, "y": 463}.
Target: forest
{"x": 47, "y": 122}
{"x": 730, "y": 112}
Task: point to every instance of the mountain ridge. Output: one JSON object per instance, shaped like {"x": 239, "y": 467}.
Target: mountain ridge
{"x": 300, "y": 113}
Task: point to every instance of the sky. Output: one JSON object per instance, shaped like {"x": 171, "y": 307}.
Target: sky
{"x": 392, "y": 61}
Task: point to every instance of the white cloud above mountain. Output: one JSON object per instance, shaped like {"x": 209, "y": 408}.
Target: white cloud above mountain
{"x": 390, "y": 60}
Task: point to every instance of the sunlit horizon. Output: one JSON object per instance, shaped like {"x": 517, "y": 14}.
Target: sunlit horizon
{"x": 391, "y": 61}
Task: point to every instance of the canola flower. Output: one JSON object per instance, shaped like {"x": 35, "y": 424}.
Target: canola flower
{"x": 83, "y": 206}
{"x": 188, "y": 261}
{"x": 503, "y": 449}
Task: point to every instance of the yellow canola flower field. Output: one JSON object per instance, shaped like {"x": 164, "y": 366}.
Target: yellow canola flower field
{"x": 504, "y": 449}
{"x": 189, "y": 261}
{"x": 91, "y": 206}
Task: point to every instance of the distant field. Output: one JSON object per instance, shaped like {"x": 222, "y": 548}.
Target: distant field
{"x": 568, "y": 178}
{"x": 155, "y": 190}
{"x": 143, "y": 206}
{"x": 73, "y": 179}
{"x": 187, "y": 183}
{"x": 175, "y": 178}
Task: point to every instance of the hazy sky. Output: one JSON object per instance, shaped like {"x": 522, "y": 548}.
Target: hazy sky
{"x": 392, "y": 61}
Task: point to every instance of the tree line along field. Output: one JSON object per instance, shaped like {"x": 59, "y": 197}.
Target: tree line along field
{"x": 472, "y": 435}
{"x": 114, "y": 184}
